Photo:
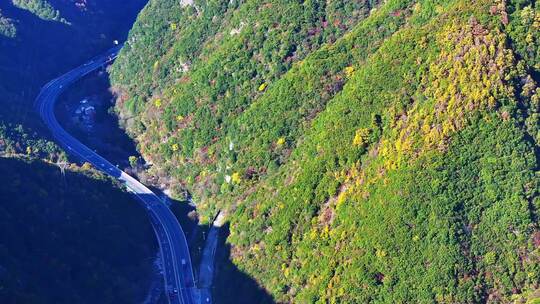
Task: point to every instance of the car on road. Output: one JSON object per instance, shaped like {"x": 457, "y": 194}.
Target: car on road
{"x": 173, "y": 293}
{"x": 183, "y": 261}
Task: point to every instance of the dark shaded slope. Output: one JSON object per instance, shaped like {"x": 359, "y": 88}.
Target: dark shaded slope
{"x": 70, "y": 239}
{"x": 41, "y": 49}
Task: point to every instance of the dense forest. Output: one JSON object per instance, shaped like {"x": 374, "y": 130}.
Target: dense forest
{"x": 40, "y": 8}
{"x": 40, "y": 40}
{"x": 37, "y": 45}
{"x": 70, "y": 238}
{"x": 363, "y": 151}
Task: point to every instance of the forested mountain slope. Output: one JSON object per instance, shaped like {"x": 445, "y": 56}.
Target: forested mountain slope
{"x": 73, "y": 238}
{"x": 40, "y": 40}
{"x": 198, "y": 67}
{"x": 364, "y": 152}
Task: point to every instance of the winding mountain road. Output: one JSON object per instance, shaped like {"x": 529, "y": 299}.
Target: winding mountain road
{"x": 177, "y": 268}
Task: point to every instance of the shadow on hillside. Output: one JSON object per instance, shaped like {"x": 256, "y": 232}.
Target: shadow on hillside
{"x": 70, "y": 238}
{"x": 24, "y": 68}
{"x": 231, "y": 285}
{"x": 105, "y": 136}
{"x": 44, "y": 49}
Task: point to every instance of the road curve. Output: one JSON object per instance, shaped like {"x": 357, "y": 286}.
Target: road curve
{"x": 177, "y": 268}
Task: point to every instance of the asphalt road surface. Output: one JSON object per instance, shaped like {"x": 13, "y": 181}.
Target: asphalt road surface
{"x": 207, "y": 267}
{"x": 177, "y": 269}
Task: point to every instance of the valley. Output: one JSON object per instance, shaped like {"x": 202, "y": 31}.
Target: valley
{"x": 282, "y": 151}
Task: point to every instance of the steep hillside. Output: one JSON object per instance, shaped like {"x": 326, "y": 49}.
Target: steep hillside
{"x": 198, "y": 67}
{"x": 392, "y": 157}
{"x": 75, "y": 238}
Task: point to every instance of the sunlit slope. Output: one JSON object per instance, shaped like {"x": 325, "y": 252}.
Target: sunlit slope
{"x": 396, "y": 163}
